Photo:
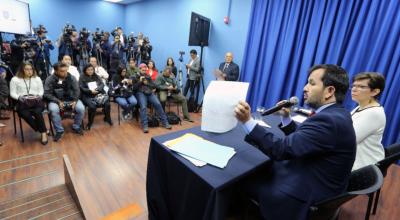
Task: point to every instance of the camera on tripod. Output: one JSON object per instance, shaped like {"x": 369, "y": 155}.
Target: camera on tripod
{"x": 115, "y": 31}
{"x": 68, "y": 29}
{"x": 181, "y": 53}
{"x": 40, "y": 30}
{"x": 84, "y": 34}
{"x": 98, "y": 35}
{"x": 131, "y": 39}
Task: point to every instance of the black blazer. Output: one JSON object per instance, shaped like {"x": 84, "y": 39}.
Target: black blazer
{"x": 232, "y": 71}
{"x": 313, "y": 162}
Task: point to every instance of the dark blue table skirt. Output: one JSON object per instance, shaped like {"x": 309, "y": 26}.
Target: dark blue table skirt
{"x": 177, "y": 189}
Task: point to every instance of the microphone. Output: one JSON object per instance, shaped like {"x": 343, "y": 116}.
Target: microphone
{"x": 292, "y": 101}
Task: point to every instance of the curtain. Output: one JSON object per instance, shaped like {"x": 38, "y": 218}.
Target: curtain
{"x": 286, "y": 38}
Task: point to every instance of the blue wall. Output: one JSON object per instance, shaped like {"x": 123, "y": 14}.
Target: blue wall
{"x": 167, "y": 25}
{"x": 54, "y": 14}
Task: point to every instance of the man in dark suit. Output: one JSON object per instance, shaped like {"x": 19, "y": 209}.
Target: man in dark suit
{"x": 313, "y": 161}
{"x": 229, "y": 69}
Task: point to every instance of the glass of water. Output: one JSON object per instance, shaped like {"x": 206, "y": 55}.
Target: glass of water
{"x": 260, "y": 110}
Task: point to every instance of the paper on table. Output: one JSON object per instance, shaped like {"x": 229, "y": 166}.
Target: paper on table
{"x": 194, "y": 161}
{"x": 299, "y": 118}
{"x": 219, "y": 103}
{"x": 92, "y": 85}
{"x": 204, "y": 150}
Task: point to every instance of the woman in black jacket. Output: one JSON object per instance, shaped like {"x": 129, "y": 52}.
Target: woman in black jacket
{"x": 93, "y": 95}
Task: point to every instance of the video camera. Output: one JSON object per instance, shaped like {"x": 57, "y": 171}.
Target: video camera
{"x": 84, "y": 34}
{"x": 97, "y": 35}
{"x": 131, "y": 39}
{"x": 68, "y": 106}
{"x": 68, "y": 29}
{"x": 28, "y": 40}
{"x": 40, "y": 29}
{"x": 181, "y": 53}
{"x": 115, "y": 31}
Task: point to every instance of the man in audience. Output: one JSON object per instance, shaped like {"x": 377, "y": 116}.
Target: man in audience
{"x": 314, "y": 160}
{"x": 145, "y": 88}
{"x": 71, "y": 69}
{"x": 166, "y": 84}
{"x": 132, "y": 69}
{"x": 62, "y": 91}
{"x": 193, "y": 73}
{"x": 229, "y": 69}
{"x": 100, "y": 71}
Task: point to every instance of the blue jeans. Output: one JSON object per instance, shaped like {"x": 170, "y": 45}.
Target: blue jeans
{"x": 142, "y": 98}
{"x": 56, "y": 118}
{"x": 127, "y": 104}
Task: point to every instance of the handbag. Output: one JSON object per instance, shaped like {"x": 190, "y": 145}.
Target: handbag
{"x": 30, "y": 101}
{"x": 100, "y": 99}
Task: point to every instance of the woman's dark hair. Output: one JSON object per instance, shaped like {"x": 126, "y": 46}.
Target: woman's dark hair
{"x": 335, "y": 76}
{"x": 21, "y": 72}
{"x": 87, "y": 67}
{"x": 375, "y": 81}
{"x": 120, "y": 68}
{"x": 170, "y": 58}
{"x": 154, "y": 64}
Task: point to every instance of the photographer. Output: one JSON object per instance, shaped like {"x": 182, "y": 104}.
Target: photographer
{"x": 145, "y": 93}
{"x": 193, "y": 73}
{"x": 42, "y": 59}
{"x": 131, "y": 47}
{"x": 84, "y": 47}
{"x": 167, "y": 87}
{"x": 123, "y": 92}
{"x": 145, "y": 51}
{"x": 101, "y": 47}
{"x": 67, "y": 42}
{"x": 22, "y": 49}
{"x": 62, "y": 91}
{"x": 138, "y": 46}
{"x": 117, "y": 55}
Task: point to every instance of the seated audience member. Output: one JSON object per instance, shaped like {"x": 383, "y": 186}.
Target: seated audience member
{"x": 71, "y": 69}
{"x": 4, "y": 91}
{"x": 152, "y": 70}
{"x": 145, "y": 93}
{"x": 313, "y": 161}
{"x": 122, "y": 85}
{"x": 229, "y": 69}
{"x": 62, "y": 91}
{"x": 93, "y": 95}
{"x": 132, "y": 70}
{"x": 99, "y": 70}
{"x": 366, "y": 89}
{"x": 167, "y": 87}
{"x": 171, "y": 64}
{"x": 27, "y": 83}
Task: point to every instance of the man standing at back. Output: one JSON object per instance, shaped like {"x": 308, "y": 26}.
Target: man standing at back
{"x": 314, "y": 160}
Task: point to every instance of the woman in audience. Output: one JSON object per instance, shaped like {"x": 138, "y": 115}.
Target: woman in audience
{"x": 93, "y": 95}
{"x": 171, "y": 64}
{"x": 152, "y": 70}
{"x": 27, "y": 89}
{"x": 122, "y": 87}
{"x": 366, "y": 89}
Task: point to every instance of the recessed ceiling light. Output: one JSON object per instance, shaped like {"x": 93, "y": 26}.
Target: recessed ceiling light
{"x": 115, "y": 1}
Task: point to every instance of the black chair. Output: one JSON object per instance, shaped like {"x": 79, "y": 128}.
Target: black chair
{"x": 392, "y": 155}
{"x": 364, "y": 181}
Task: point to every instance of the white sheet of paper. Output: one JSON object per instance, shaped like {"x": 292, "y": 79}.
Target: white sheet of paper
{"x": 299, "y": 118}
{"x": 219, "y": 103}
{"x": 92, "y": 85}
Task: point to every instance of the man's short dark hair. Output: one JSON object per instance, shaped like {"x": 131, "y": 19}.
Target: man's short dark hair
{"x": 375, "y": 80}
{"x": 59, "y": 65}
{"x": 335, "y": 76}
{"x": 193, "y": 52}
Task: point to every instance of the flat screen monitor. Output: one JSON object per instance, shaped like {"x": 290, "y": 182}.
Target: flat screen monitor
{"x": 14, "y": 17}
{"x": 199, "y": 30}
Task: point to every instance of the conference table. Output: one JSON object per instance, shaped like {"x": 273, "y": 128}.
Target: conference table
{"x": 177, "y": 189}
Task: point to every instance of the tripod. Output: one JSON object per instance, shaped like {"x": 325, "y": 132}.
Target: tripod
{"x": 179, "y": 77}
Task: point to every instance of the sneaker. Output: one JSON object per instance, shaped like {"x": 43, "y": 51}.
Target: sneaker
{"x": 127, "y": 116}
{"x": 78, "y": 131}
{"x": 58, "y": 136}
{"x": 145, "y": 130}
{"x": 167, "y": 126}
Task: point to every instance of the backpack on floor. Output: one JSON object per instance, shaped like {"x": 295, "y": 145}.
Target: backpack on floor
{"x": 173, "y": 118}
{"x": 153, "y": 121}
